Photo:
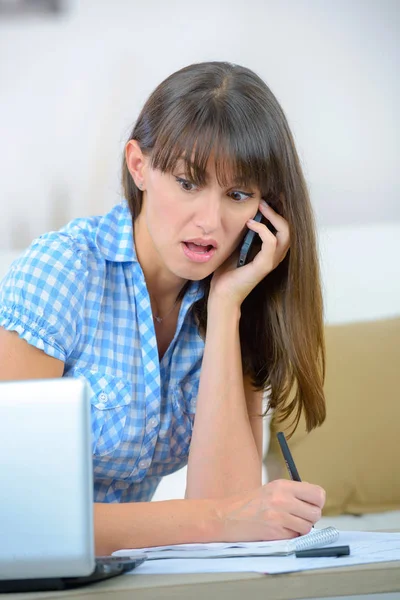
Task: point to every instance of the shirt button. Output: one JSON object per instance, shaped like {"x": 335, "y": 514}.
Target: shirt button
{"x": 77, "y": 264}
{"x": 94, "y": 369}
{"x": 103, "y": 397}
{"x": 153, "y": 422}
{"x": 51, "y": 340}
{"x": 42, "y": 332}
{"x": 40, "y": 311}
{"x": 143, "y": 464}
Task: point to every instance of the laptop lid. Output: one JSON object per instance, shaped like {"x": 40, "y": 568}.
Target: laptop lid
{"x": 46, "y": 500}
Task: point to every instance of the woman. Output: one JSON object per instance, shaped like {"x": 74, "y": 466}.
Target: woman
{"x": 147, "y": 304}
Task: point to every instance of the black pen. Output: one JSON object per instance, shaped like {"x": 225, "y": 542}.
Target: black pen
{"x": 329, "y": 551}
{"x": 287, "y": 455}
{"x": 291, "y": 467}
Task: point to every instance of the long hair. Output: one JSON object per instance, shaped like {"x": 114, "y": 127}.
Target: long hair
{"x": 228, "y": 110}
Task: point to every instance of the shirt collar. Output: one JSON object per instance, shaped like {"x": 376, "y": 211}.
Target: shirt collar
{"x": 114, "y": 237}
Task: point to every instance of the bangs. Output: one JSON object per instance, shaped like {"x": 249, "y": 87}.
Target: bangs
{"x": 239, "y": 147}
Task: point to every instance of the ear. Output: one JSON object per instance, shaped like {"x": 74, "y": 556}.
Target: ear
{"x": 136, "y": 162}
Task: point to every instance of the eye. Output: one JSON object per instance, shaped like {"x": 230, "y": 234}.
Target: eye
{"x": 240, "y": 196}
{"x": 186, "y": 185}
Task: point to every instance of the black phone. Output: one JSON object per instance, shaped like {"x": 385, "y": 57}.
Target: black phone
{"x": 247, "y": 243}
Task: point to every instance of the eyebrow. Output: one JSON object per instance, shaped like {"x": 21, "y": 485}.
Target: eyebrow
{"x": 181, "y": 164}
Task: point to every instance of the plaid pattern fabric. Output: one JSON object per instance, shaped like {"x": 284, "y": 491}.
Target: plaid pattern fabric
{"x": 79, "y": 295}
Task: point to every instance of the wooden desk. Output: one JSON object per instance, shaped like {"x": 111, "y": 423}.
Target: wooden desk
{"x": 362, "y": 579}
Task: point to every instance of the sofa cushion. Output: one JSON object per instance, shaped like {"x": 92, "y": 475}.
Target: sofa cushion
{"x": 355, "y": 454}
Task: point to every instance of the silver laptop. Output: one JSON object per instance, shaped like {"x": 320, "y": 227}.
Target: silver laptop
{"x": 46, "y": 499}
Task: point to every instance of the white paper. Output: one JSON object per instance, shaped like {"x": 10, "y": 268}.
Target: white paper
{"x": 314, "y": 539}
{"x": 365, "y": 547}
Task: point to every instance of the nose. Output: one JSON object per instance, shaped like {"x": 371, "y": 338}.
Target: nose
{"x": 208, "y": 213}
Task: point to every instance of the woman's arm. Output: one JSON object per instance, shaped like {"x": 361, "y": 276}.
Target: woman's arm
{"x": 254, "y": 402}
{"x": 279, "y": 510}
{"x": 224, "y": 457}
{"x": 143, "y": 524}
{"x": 20, "y": 360}
{"x": 225, "y": 453}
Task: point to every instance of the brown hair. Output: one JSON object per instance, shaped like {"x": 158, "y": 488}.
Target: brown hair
{"x": 228, "y": 110}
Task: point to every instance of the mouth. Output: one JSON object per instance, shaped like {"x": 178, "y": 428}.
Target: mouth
{"x": 199, "y": 251}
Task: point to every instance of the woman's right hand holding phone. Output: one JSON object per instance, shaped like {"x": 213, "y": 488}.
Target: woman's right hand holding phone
{"x": 281, "y": 509}
{"x": 233, "y": 284}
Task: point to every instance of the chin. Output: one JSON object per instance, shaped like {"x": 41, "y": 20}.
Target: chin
{"x": 193, "y": 273}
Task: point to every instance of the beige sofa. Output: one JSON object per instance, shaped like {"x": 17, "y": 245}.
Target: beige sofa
{"x": 354, "y": 454}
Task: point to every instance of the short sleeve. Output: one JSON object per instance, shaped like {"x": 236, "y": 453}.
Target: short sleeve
{"x": 42, "y": 295}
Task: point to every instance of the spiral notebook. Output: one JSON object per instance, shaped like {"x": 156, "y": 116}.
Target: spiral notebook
{"x": 315, "y": 539}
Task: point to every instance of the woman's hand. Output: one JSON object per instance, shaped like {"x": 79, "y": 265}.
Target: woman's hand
{"x": 280, "y": 509}
{"x": 235, "y": 284}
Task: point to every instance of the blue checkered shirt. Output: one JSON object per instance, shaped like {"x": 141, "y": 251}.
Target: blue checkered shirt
{"x": 79, "y": 295}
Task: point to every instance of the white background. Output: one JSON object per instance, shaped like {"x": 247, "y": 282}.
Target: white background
{"x": 72, "y": 86}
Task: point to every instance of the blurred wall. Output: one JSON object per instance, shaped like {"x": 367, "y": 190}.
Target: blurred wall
{"x": 71, "y": 87}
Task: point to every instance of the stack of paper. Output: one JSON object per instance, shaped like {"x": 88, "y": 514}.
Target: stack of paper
{"x": 365, "y": 547}
{"x": 315, "y": 539}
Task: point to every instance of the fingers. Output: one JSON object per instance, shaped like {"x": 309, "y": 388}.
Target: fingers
{"x": 280, "y": 509}
{"x": 280, "y": 242}
{"x": 297, "y": 525}
{"x": 297, "y": 505}
{"x": 286, "y": 525}
{"x": 298, "y": 509}
{"x": 280, "y": 224}
{"x": 299, "y": 498}
{"x": 308, "y": 492}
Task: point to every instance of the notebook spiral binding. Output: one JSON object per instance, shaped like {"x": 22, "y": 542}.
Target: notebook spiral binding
{"x": 316, "y": 538}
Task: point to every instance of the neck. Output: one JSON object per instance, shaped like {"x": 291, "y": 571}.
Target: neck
{"x": 163, "y": 286}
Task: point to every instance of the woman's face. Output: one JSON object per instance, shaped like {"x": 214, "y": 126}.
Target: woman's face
{"x": 193, "y": 230}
